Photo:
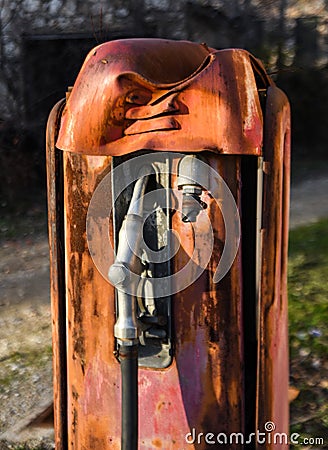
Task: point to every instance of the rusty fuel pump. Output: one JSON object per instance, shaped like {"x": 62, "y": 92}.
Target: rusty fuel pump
{"x": 168, "y": 187}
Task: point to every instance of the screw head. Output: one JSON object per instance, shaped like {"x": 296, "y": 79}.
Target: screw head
{"x": 117, "y": 274}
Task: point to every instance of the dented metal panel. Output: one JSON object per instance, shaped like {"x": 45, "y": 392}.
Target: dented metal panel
{"x": 163, "y": 95}
{"x": 148, "y": 94}
{"x": 273, "y": 338}
{"x": 206, "y": 374}
{"x": 57, "y": 274}
{"x": 92, "y": 370}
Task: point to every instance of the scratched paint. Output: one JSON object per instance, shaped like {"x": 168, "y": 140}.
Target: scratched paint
{"x": 122, "y": 118}
{"x": 213, "y": 97}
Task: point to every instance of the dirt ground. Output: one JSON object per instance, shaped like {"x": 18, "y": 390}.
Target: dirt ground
{"x": 25, "y": 318}
{"x": 25, "y": 332}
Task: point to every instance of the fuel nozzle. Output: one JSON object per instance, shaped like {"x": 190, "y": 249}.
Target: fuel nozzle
{"x": 192, "y": 179}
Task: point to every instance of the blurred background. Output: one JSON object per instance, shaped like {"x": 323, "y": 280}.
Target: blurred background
{"x": 42, "y": 47}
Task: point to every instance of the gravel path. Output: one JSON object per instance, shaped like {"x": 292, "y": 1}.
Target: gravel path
{"x": 25, "y": 337}
{"x": 309, "y": 201}
{"x": 25, "y": 334}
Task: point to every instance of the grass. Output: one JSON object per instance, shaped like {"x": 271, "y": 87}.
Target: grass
{"x": 17, "y": 365}
{"x": 308, "y": 318}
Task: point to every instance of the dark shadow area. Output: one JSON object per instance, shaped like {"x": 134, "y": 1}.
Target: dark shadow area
{"x": 51, "y": 64}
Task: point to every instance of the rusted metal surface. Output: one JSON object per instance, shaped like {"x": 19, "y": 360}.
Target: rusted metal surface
{"x": 57, "y": 274}
{"x": 273, "y": 315}
{"x": 207, "y": 315}
{"x": 146, "y": 93}
{"x": 92, "y": 370}
{"x": 206, "y": 374}
{"x": 208, "y": 102}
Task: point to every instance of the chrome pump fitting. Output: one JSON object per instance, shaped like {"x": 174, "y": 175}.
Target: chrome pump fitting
{"x": 193, "y": 178}
{"x": 123, "y": 273}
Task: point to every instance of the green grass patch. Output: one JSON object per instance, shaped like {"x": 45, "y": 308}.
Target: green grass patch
{"x": 308, "y": 290}
{"x": 308, "y": 318}
{"x": 17, "y": 365}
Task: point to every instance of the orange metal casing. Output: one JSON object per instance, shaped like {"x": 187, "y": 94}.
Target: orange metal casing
{"x": 273, "y": 314}
{"x": 217, "y": 109}
{"x": 163, "y": 95}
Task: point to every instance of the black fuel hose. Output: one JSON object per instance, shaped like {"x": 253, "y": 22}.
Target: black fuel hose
{"x": 128, "y": 356}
